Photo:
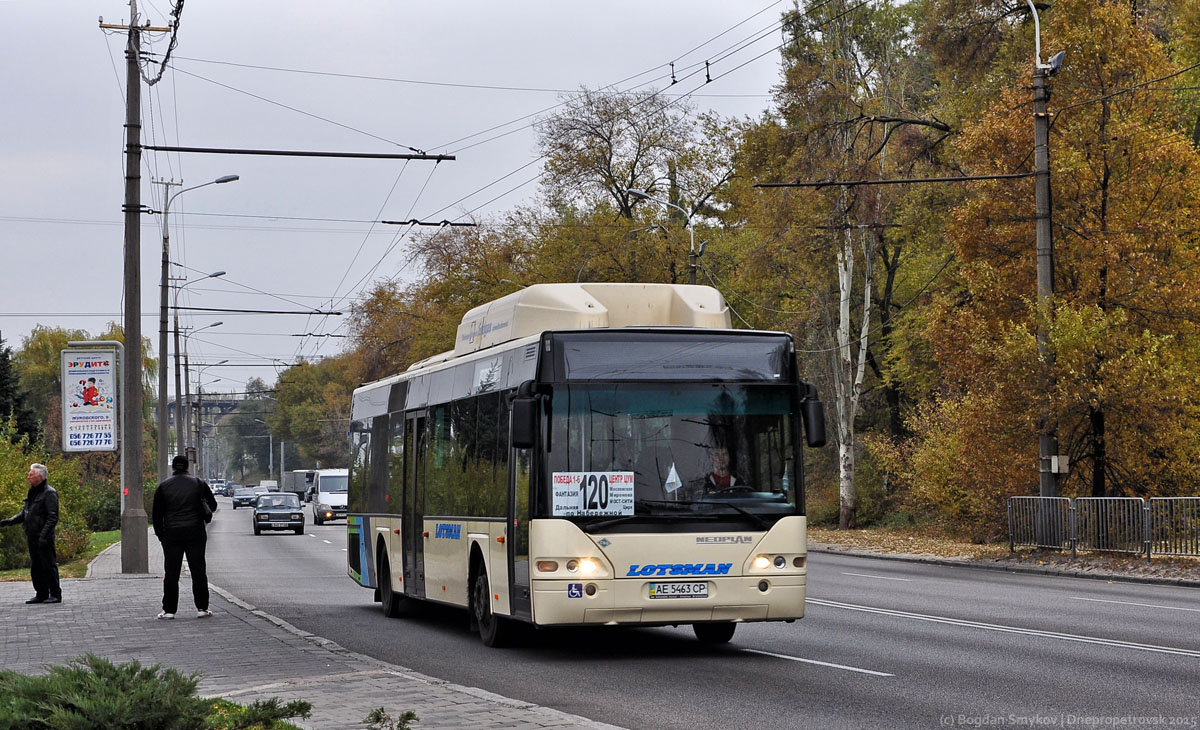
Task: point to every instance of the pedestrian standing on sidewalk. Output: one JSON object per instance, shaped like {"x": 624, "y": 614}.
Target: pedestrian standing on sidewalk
{"x": 39, "y": 515}
{"x": 182, "y": 505}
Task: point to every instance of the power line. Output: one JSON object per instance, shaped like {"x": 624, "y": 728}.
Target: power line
{"x": 255, "y": 311}
{"x": 447, "y": 84}
{"x": 895, "y": 181}
{"x": 298, "y": 111}
{"x": 302, "y": 153}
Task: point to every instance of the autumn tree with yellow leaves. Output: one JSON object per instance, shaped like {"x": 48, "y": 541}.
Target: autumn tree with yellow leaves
{"x": 1123, "y": 320}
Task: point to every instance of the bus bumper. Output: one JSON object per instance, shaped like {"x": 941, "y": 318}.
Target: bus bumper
{"x": 628, "y": 601}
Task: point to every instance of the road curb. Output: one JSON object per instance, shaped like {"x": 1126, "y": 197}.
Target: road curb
{"x": 554, "y": 717}
{"x": 1024, "y": 569}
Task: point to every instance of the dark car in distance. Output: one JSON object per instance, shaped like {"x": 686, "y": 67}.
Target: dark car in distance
{"x": 245, "y": 496}
{"x": 278, "y": 511}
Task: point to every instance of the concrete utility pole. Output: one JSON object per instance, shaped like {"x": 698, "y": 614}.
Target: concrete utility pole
{"x": 1048, "y": 438}
{"x": 163, "y": 437}
{"x": 1050, "y": 464}
{"x": 134, "y": 556}
{"x": 164, "y": 441}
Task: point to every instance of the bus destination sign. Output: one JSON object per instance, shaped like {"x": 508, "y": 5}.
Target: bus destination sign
{"x": 593, "y": 493}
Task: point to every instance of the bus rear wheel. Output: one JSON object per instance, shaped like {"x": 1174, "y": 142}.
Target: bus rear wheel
{"x": 718, "y": 633}
{"x": 393, "y": 603}
{"x": 494, "y": 630}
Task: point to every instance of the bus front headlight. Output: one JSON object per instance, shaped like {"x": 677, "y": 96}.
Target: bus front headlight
{"x": 585, "y": 566}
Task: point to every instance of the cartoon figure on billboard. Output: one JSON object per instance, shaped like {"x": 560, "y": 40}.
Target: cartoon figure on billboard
{"x": 91, "y": 394}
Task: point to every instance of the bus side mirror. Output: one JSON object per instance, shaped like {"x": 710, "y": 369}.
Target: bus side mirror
{"x": 813, "y": 414}
{"x": 523, "y": 422}
{"x": 523, "y": 426}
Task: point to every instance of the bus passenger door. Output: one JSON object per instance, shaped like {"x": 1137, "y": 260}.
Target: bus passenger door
{"x": 518, "y": 534}
{"x": 413, "y": 521}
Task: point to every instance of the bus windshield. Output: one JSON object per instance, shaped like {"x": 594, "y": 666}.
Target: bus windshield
{"x": 619, "y": 452}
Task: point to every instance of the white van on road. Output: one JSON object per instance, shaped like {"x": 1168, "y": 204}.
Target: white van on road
{"x": 329, "y": 493}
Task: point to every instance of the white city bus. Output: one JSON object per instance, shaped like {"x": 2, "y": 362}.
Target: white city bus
{"x": 589, "y": 454}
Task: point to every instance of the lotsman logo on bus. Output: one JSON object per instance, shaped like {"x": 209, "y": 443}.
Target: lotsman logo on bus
{"x": 661, "y": 569}
{"x": 450, "y": 532}
{"x": 725, "y": 540}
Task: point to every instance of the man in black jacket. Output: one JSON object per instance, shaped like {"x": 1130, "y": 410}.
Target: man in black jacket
{"x": 39, "y": 514}
{"x": 179, "y": 517}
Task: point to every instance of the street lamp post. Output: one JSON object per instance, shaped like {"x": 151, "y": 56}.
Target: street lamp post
{"x": 270, "y": 452}
{"x": 163, "y": 436}
{"x": 200, "y": 420}
{"x": 693, "y": 256}
{"x": 186, "y": 379}
{"x": 182, "y": 426}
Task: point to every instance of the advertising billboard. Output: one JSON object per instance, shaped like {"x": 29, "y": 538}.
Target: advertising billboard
{"x": 89, "y": 399}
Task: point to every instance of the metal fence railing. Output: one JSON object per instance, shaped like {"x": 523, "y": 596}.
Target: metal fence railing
{"x": 1043, "y": 522}
{"x": 1160, "y": 526}
{"x": 1111, "y": 524}
{"x": 1175, "y": 526}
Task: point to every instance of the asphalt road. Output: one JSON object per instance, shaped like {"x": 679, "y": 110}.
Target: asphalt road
{"x": 884, "y": 644}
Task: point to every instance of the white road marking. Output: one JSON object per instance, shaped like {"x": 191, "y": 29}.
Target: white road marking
{"x": 879, "y": 577}
{"x": 1129, "y": 603}
{"x": 1009, "y": 629}
{"x": 823, "y": 664}
{"x": 327, "y": 542}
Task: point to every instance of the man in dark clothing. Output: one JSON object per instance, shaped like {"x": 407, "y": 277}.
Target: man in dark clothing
{"x": 39, "y": 514}
{"x": 179, "y": 517}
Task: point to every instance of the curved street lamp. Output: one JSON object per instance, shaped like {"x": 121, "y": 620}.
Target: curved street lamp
{"x": 163, "y": 436}
{"x": 180, "y": 424}
{"x": 270, "y": 451}
{"x": 187, "y": 381}
{"x": 687, "y": 222}
{"x": 200, "y": 412}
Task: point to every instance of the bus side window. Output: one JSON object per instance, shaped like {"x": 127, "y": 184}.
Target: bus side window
{"x": 493, "y": 469}
{"x": 377, "y": 475}
{"x": 395, "y": 493}
{"x": 359, "y": 464}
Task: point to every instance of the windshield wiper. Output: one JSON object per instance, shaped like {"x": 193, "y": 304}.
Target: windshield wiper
{"x": 748, "y": 514}
{"x": 593, "y": 526}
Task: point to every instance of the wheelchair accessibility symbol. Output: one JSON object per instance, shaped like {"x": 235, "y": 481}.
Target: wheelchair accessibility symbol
{"x": 574, "y": 590}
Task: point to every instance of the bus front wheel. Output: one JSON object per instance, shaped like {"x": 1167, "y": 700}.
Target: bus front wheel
{"x": 494, "y": 630}
{"x": 719, "y": 633}
{"x": 393, "y": 603}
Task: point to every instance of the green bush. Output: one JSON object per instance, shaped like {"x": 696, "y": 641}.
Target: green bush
{"x": 16, "y": 454}
{"x": 380, "y": 720}
{"x": 103, "y": 512}
{"x": 91, "y": 692}
{"x": 258, "y": 715}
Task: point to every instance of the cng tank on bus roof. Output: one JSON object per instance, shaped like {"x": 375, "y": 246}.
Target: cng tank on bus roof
{"x": 542, "y": 307}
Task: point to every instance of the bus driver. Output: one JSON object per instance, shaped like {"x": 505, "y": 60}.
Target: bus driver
{"x": 721, "y": 479}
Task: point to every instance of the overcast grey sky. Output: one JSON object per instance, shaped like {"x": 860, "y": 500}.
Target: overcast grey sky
{"x": 278, "y": 74}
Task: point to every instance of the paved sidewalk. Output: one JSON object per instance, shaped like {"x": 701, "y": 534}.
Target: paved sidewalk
{"x": 241, "y": 654}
